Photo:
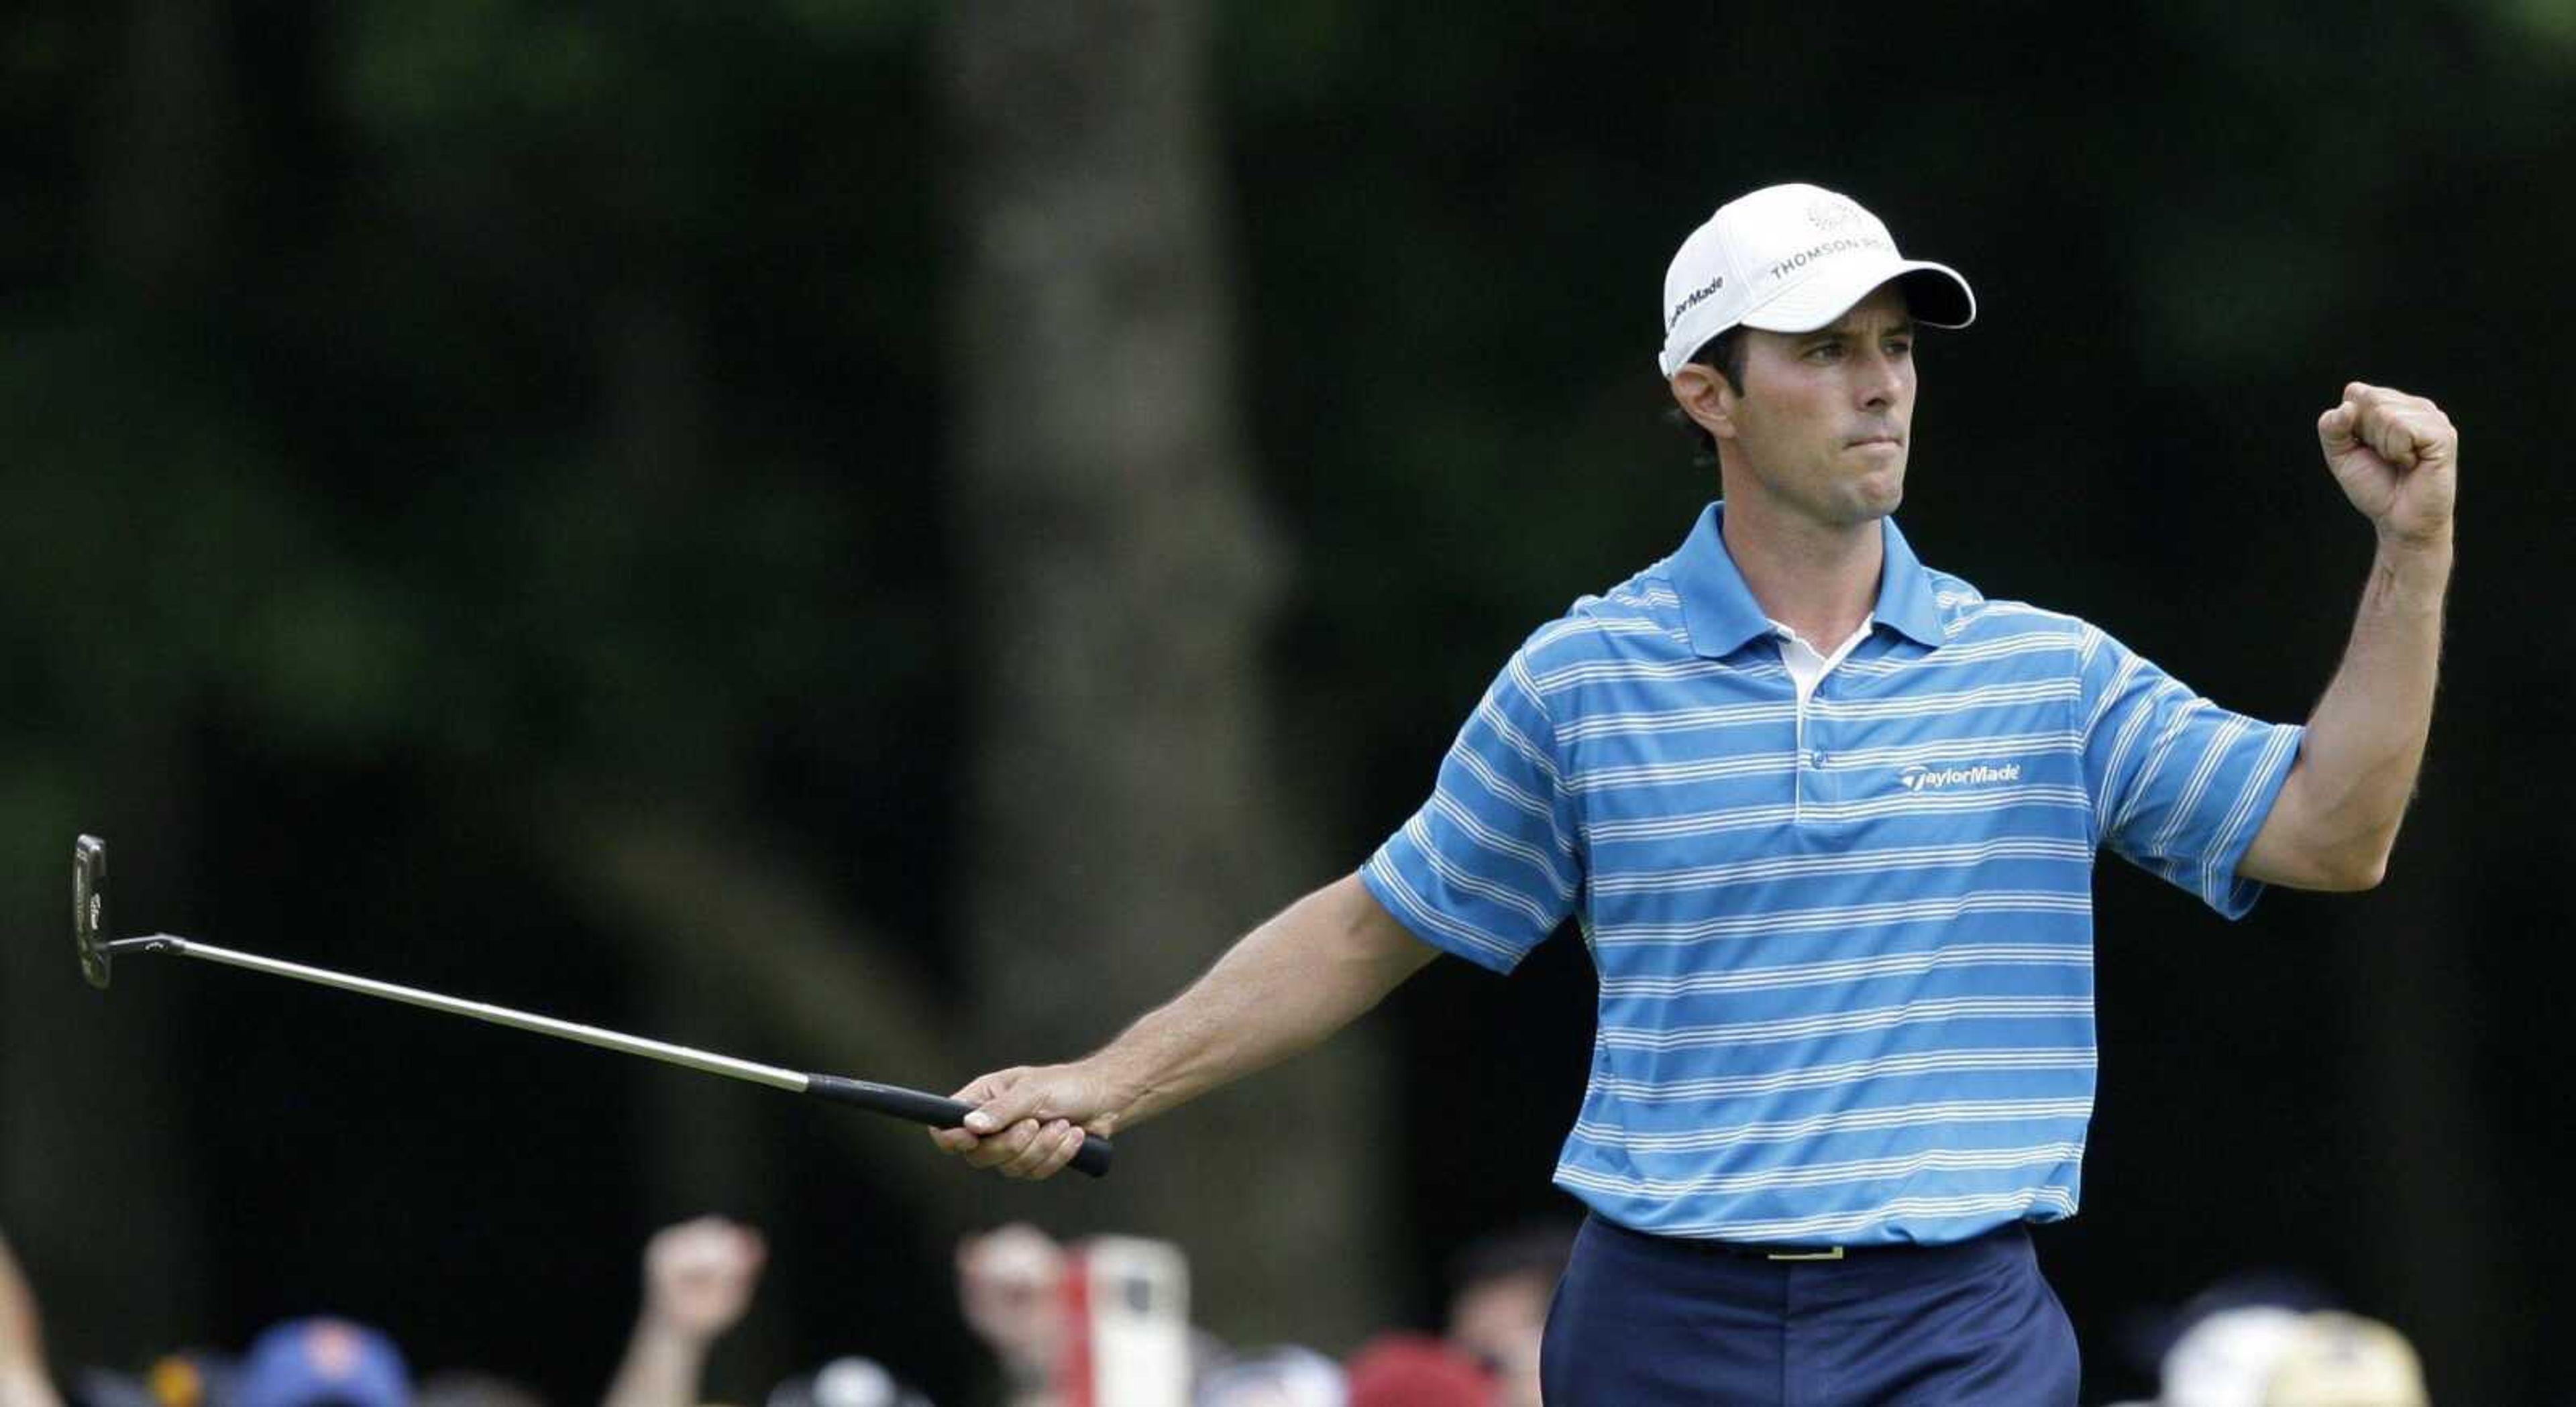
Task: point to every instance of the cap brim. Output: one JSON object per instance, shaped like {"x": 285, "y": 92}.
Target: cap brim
{"x": 1934, "y": 294}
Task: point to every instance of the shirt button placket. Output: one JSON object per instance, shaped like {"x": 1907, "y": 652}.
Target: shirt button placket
{"x": 1816, "y": 786}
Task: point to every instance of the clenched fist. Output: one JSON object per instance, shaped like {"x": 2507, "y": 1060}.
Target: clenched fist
{"x": 2397, "y": 457}
{"x": 698, "y": 1276}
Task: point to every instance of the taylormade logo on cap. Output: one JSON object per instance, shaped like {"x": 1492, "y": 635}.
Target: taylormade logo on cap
{"x": 1697, "y": 297}
{"x": 1792, "y": 259}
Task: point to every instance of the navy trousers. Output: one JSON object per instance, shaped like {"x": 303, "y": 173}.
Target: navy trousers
{"x": 1647, "y": 1321}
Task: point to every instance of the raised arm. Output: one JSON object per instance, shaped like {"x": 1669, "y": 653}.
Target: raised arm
{"x": 1304, "y": 974}
{"x": 2397, "y": 457}
{"x": 698, "y": 1279}
{"x": 23, "y": 1380}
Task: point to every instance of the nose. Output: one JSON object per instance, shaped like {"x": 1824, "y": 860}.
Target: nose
{"x": 1882, "y": 379}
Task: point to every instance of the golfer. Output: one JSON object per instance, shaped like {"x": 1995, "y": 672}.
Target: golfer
{"x": 1827, "y": 818}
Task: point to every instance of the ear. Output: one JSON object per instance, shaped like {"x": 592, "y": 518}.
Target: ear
{"x": 1705, "y": 397}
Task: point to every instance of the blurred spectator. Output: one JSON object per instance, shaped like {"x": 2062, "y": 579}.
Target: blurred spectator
{"x": 1500, "y": 1287}
{"x": 2344, "y": 1360}
{"x": 1010, "y": 1288}
{"x": 1414, "y": 1370}
{"x": 322, "y": 1362}
{"x": 698, "y": 1279}
{"x": 189, "y": 1378}
{"x": 192, "y": 1378}
{"x": 846, "y": 1382}
{"x": 2269, "y": 1355}
{"x": 23, "y": 1379}
{"x": 2146, "y": 1336}
{"x": 1278, "y": 1377}
{"x": 2226, "y": 1359}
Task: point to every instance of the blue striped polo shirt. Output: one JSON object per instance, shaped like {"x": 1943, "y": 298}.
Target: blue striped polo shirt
{"x": 1845, "y": 949}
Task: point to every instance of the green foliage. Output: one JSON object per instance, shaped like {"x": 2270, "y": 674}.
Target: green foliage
{"x": 420, "y": 71}
{"x": 586, "y": 347}
{"x": 2551, "y": 23}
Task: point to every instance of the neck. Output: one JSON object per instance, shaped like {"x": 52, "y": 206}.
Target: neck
{"x": 1818, "y": 579}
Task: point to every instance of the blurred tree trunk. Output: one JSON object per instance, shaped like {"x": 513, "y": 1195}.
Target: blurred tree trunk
{"x": 706, "y": 1148}
{"x": 1123, "y": 815}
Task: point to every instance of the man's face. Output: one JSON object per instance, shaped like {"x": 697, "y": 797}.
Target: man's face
{"x": 1821, "y": 429}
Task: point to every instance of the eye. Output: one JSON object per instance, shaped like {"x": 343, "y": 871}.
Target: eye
{"x": 1900, "y": 347}
{"x": 1824, "y": 352}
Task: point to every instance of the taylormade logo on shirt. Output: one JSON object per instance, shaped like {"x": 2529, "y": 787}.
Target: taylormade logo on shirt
{"x": 1920, "y": 778}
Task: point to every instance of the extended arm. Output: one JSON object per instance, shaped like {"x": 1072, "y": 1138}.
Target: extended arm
{"x": 1284, "y": 986}
{"x": 2337, "y": 815}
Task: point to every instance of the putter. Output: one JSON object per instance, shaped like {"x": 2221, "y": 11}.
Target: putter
{"x": 89, "y": 913}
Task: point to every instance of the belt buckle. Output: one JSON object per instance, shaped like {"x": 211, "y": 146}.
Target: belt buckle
{"x": 1835, "y": 1253}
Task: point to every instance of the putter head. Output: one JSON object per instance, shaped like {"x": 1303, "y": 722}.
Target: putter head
{"x": 89, "y": 907}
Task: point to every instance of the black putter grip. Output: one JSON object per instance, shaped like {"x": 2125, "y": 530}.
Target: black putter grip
{"x": 1092, "y": 1159}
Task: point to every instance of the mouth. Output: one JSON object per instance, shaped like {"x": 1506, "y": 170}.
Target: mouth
{"x": 1886, "y": 444}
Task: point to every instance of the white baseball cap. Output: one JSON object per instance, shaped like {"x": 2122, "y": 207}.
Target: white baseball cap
{"x": 1792, "y": 259}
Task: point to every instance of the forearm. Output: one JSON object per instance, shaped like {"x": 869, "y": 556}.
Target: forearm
{"x": 25, "y": 1385}
{"x": 663, "y": 1367}
{"x": 23, "y": 1381}
{"x": 1304, "y": 974}
{"x": 2341, "y": 804}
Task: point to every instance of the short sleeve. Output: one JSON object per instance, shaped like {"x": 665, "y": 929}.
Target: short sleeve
{"x": 1487, "y": 868}
{"x": 2179, "y": 786}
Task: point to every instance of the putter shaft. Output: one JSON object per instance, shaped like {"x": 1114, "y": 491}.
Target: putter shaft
{"x": 713, "y": 1064}
{"x": 89, "y": 879}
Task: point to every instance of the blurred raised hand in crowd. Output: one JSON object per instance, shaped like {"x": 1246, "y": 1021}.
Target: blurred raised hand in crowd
{"x": 698, "y": 1281}
{"x": 24, "y": 1381}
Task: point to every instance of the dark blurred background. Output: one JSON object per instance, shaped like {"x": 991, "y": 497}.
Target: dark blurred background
{"x": 877, "y": 536}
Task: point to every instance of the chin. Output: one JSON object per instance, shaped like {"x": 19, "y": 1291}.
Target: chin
{"x": 1874, "y": 499}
